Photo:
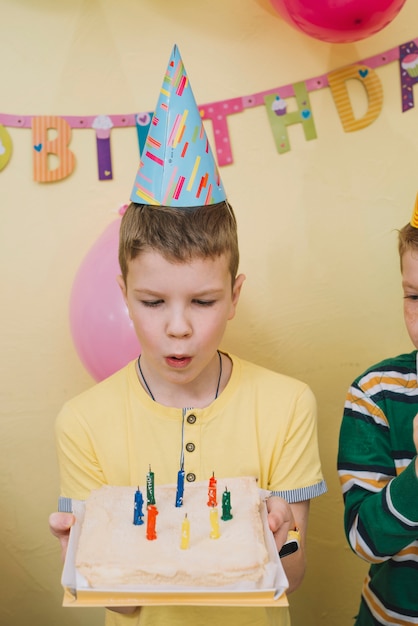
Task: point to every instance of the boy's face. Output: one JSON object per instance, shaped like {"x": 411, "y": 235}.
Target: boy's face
{"x": 410, "y": 290}
{"x": 179, "y": 312}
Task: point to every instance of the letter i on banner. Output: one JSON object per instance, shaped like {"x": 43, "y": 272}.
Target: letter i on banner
{"x": 103, "y": 124}
{"x": 44, "y": 148}
{"x": 338, "y": 84}
{"x": 279, "y": 118}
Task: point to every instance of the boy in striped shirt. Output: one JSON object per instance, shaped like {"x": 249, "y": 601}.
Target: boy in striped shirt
{"x": 378, "y": 467}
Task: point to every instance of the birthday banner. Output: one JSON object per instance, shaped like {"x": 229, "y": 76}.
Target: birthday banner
{"x": 274, "y": 100}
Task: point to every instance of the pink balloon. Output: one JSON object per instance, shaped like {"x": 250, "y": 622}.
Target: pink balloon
{"x": 102, "y": 331}
{"x": 338, "y": 21}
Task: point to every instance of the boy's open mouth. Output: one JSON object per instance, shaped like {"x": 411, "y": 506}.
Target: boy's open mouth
{"x": 177, "y": 361}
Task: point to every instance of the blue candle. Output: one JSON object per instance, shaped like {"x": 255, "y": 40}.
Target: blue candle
{"x": 180, "y": 488}
{"x": 138, "y": 513}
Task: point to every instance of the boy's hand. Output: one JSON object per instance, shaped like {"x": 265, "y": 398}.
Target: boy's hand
{"x": 283, "y": 517}
{"x": 59, "y": 525}
{"x": 415, "y": 432}
{"x": 280, "y": 519}
{"x": 415, "y": 437}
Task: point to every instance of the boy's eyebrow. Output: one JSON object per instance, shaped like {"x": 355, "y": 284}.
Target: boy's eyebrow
{"x": 203, "y": 292}
{"x": 212, "y": 290}
{"x": 148, "y": 293}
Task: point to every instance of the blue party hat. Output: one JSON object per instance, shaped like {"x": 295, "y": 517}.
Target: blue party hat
{"x": 177, "y": 167}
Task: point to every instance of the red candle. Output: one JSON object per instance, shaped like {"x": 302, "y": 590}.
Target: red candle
{"x": 212, "y": 491}
{"x": 151, "y": 521}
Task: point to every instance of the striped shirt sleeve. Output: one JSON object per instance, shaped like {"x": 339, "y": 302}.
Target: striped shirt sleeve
{"x": 375, "y": 465}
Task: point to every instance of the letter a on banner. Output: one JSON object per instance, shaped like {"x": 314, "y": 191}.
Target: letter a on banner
{"x": 44, "y": 148}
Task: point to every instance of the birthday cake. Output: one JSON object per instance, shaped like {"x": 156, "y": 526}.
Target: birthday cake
{"x": 204, "y": 551}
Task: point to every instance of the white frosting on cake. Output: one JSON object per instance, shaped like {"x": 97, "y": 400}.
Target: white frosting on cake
{"x": 113, "y": 552}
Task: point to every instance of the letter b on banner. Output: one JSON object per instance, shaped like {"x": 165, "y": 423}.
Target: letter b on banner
{"x": 44, "y": 148}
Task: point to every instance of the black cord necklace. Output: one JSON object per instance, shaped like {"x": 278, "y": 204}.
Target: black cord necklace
{"x": 152, "y": 395}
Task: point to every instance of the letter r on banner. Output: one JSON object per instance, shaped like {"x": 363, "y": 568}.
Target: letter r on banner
{"x": 43, "y": 148}
{"x": 279, "y": 118}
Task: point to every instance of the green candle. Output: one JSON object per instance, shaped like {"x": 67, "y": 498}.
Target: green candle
{"x": 226, "y": 505}
{"x": 150, "y": 487}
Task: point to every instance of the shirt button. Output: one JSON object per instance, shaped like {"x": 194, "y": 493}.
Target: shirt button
{"x": 190, "y": 447}
{"x": 191, "y": 419}
{"x": 191, "y": 477}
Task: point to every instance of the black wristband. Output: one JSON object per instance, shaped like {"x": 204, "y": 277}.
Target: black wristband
{"x": 292, "y": 543}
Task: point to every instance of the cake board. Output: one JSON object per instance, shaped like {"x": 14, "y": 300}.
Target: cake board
{"x": 77, "y": 592}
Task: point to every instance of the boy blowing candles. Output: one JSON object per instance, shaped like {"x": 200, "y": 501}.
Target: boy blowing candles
{"x": 184, "y": 398}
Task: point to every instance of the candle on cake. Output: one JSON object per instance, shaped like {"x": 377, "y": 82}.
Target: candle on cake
{"x": 226, "y": 505}
{"x": 214, "y": 523}
{"x": 180, "y": 487}
{"x": 138, "y": 503}
{"x": 185, "y": 533}
{"x": 150, "y": 487}
{"x": 212, "y": 491}
{"x": 152, "y": 513}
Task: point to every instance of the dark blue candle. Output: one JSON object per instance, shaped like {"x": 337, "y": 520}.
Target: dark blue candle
{"x": 138, "y": 504}
{"x": 180, "y": 488}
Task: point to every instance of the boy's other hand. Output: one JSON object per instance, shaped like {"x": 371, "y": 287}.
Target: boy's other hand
{"x": 280, "y": 519}
{"x": 59, "y": 525}
{"x": 415, "y": 432}
{"x": 415, "y": 436}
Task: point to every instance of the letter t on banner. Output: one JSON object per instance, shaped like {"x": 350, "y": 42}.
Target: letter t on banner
{"x": 44, "y": 147}
{"x": 279, "y": 118}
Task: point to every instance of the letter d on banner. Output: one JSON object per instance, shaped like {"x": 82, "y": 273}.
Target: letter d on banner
{"x": 369, "y": 79}
{"x": 43, "y": 148}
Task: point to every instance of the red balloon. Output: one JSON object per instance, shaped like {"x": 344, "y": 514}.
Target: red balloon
{"x": 102, "y": 331}
{"x": 338, "y": 21}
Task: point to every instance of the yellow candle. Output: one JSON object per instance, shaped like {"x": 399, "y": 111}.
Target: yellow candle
{"x": 185, "y": 533}
{"x": 214, "y": 523}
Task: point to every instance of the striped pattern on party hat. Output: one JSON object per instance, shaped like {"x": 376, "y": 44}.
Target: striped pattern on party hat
{"x": 414, "y": 218}
{"x": 177, "y": 167}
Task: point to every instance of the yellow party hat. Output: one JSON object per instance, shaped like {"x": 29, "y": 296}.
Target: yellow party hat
{"x": 414, "y": 218}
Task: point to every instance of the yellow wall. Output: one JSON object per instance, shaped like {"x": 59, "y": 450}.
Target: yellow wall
{"x": 317, "y": 227}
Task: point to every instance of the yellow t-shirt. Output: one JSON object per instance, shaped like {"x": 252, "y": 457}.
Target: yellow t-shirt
{"x": 263, "y": 424}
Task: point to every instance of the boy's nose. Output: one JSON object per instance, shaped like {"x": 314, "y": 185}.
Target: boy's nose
{"x": 179, "y": 325}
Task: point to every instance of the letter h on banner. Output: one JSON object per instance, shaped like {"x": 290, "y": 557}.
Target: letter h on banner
{"x": 279, "y": 118}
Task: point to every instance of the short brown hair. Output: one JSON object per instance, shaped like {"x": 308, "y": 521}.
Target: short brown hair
{"x": 179, "y": 234}
{"x": 407, "y": 240}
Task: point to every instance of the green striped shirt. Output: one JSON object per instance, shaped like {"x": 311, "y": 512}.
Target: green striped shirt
{"x": 380, "y": 488}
